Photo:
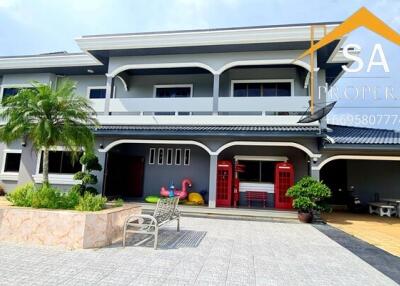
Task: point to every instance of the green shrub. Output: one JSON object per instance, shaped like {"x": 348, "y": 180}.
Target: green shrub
{"x": 91, "y": 202}
{"x": 88, "y": 180}
{"x": 21, "y": 196}
{"x": 69, "y": 200}
{"x": 118, "y": 203}
{"x": 308, "y": 194}
{"x": 46, "y": 197}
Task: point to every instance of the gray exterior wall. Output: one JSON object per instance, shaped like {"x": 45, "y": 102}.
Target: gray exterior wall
{"x": 156, "y": 176}
{"x": 371, "y": 177}
{"x": 85, "y": 81}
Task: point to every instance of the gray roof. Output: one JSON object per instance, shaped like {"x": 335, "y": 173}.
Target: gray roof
{"x": 201, "y": 130}
{"x": 361, "y": 135}
{"x": 218, "y": 29}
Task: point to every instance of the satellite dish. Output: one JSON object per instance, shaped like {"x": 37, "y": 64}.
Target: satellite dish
{"x": 319, "y": 114}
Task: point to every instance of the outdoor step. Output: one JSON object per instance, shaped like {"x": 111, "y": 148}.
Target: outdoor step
{"x": 232, "y": 213}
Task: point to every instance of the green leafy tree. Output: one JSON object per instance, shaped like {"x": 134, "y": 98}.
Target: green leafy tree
{"x": 90, "y": 163}
{"x": 309, "y": 194}
{"x": 49, "y": 117}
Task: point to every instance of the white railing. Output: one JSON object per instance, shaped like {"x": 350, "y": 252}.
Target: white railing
{"x": 204, "y": 104}
{"x": 261, "y": 104}
{"x": 192, "y": 104}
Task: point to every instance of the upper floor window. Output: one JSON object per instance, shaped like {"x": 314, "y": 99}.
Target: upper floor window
{"x": 60, "y": 162}
{"x": 262, "y": 88}
{"x": 97, "y": 92}
{"x": 169, "y": 91}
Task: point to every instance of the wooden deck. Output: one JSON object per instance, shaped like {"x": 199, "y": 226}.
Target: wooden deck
{"x": 383, "y": 232}
{"x": 232, "y": 213}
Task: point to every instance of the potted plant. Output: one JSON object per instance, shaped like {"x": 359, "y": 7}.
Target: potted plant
{"x": 308, "y": 195}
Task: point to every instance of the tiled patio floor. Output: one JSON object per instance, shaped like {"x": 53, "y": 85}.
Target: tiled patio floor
{"x": 383, "y": 232}
{"x": 205, "y": 252}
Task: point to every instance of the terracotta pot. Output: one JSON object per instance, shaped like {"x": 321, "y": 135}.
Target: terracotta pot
{"x": 305, "y": 217}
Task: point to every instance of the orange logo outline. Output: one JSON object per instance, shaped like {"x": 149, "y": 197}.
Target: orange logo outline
{"x": 362, "y": 18}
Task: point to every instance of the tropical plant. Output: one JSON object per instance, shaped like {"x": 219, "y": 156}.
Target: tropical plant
{"x": 308, "y": 194}
{"x": 21, "y": 196}
{"x": 90, "y": 163}
{"x": 91, "y": 202}
{"x": 49, "y": 117}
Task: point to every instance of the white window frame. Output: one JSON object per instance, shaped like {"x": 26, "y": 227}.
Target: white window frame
{"x": 154, "y": 157}
{"x": 180, "y": 152}
{"x": 171, "y": 86}
{"x": 89, "y": 88}
{"x": 9, "y": 176}
{"x": 61, "y": 179}
{"x": 184, "y": 157}
{"x": 16, "y": 85}
{"x": 171, "y": 157}
{"x": 291, "y": 81}
{"x": 158, "y": 156}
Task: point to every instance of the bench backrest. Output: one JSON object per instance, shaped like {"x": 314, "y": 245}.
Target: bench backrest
{"x": 166, "y": 208}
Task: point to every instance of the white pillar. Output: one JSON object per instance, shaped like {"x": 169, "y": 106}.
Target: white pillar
{"x": 215, "y": 94}
{"x": 212, "y": 188}
{"x": 109, "y": 94}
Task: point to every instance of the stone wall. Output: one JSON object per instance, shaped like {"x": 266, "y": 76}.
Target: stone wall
{"x": 64, "y": 228}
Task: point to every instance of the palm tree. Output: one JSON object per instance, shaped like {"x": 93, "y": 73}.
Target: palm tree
{"x": 49, "y": 117}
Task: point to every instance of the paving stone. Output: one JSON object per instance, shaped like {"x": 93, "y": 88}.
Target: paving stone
{"x": 205, "y": 252}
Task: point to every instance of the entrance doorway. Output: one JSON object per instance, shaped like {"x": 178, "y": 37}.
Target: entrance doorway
{"x": 124, "y": 176}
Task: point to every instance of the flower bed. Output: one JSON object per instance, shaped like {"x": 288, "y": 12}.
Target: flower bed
{"x": 65, "y": 228}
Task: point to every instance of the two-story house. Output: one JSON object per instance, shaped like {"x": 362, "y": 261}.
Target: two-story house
{"x": 175, "y": 105}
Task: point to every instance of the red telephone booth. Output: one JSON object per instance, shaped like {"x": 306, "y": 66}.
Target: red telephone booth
{"x": 284, "y": 179}
{"x": 224, "y": 183}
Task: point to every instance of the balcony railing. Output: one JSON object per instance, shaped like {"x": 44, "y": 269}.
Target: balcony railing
{"x": 203, "y": 104}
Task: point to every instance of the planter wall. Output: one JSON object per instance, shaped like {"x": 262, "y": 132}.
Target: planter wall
{"x": 65, "y": 228}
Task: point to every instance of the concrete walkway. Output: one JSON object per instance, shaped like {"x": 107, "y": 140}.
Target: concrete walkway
{"x": 205, "y": 252}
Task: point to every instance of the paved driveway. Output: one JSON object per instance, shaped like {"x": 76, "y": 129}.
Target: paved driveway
{"x": 205, "y": 252}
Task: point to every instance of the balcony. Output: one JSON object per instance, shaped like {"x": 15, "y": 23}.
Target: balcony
{"x": 196, "y": 105}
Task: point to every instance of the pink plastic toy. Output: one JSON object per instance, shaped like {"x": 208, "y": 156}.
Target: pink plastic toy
{"x": 182, "y": 194}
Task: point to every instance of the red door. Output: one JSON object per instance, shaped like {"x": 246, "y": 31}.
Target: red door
{"x": 224, "y": 184}
{"x": 284, "y": 179}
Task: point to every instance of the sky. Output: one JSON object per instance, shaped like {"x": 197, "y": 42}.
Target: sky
{"x": 41, "y": 26}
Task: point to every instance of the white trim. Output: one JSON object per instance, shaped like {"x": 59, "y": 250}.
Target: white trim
{"x": 170, "y": 157}
{"x": 291, "y": 61}
{"x": 160, "y": 150}
{"x": 46, "y": 61}
{"x": 89, "y": 88}
{"x": 58, "y": 179}
{"x": 189, "y": 85}
{"x": 180, "y": 156}
{"x": 186, "y": 157}
{"x": 208, "y": 120}
{"x": 355, "y": 157}
{"x": 120, "y": 69}
{"x": 246, "y": 35}
{"x": 9, "y": 176}
{"x": 291, "y": 81}
{"x": 145, "y": 141}
{"x": 261, "y": 158}
{"x": 272, "y": 144}
{"x": 306, "y": 80}
{"x": 154, "y": 156}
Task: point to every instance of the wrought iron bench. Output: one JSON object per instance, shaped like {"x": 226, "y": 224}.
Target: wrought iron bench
{"x": 256, "y": 196}
{"x": 165, "y": 212}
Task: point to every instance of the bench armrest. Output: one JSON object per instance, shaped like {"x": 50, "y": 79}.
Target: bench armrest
{"x": 140, "y": 218}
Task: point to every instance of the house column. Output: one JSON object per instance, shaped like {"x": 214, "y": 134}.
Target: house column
{"x": 314, "y": 172}
{"x": 109, "y": 94}
{"x": 215, "y": 94}
{"x": 212, "y": 188}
